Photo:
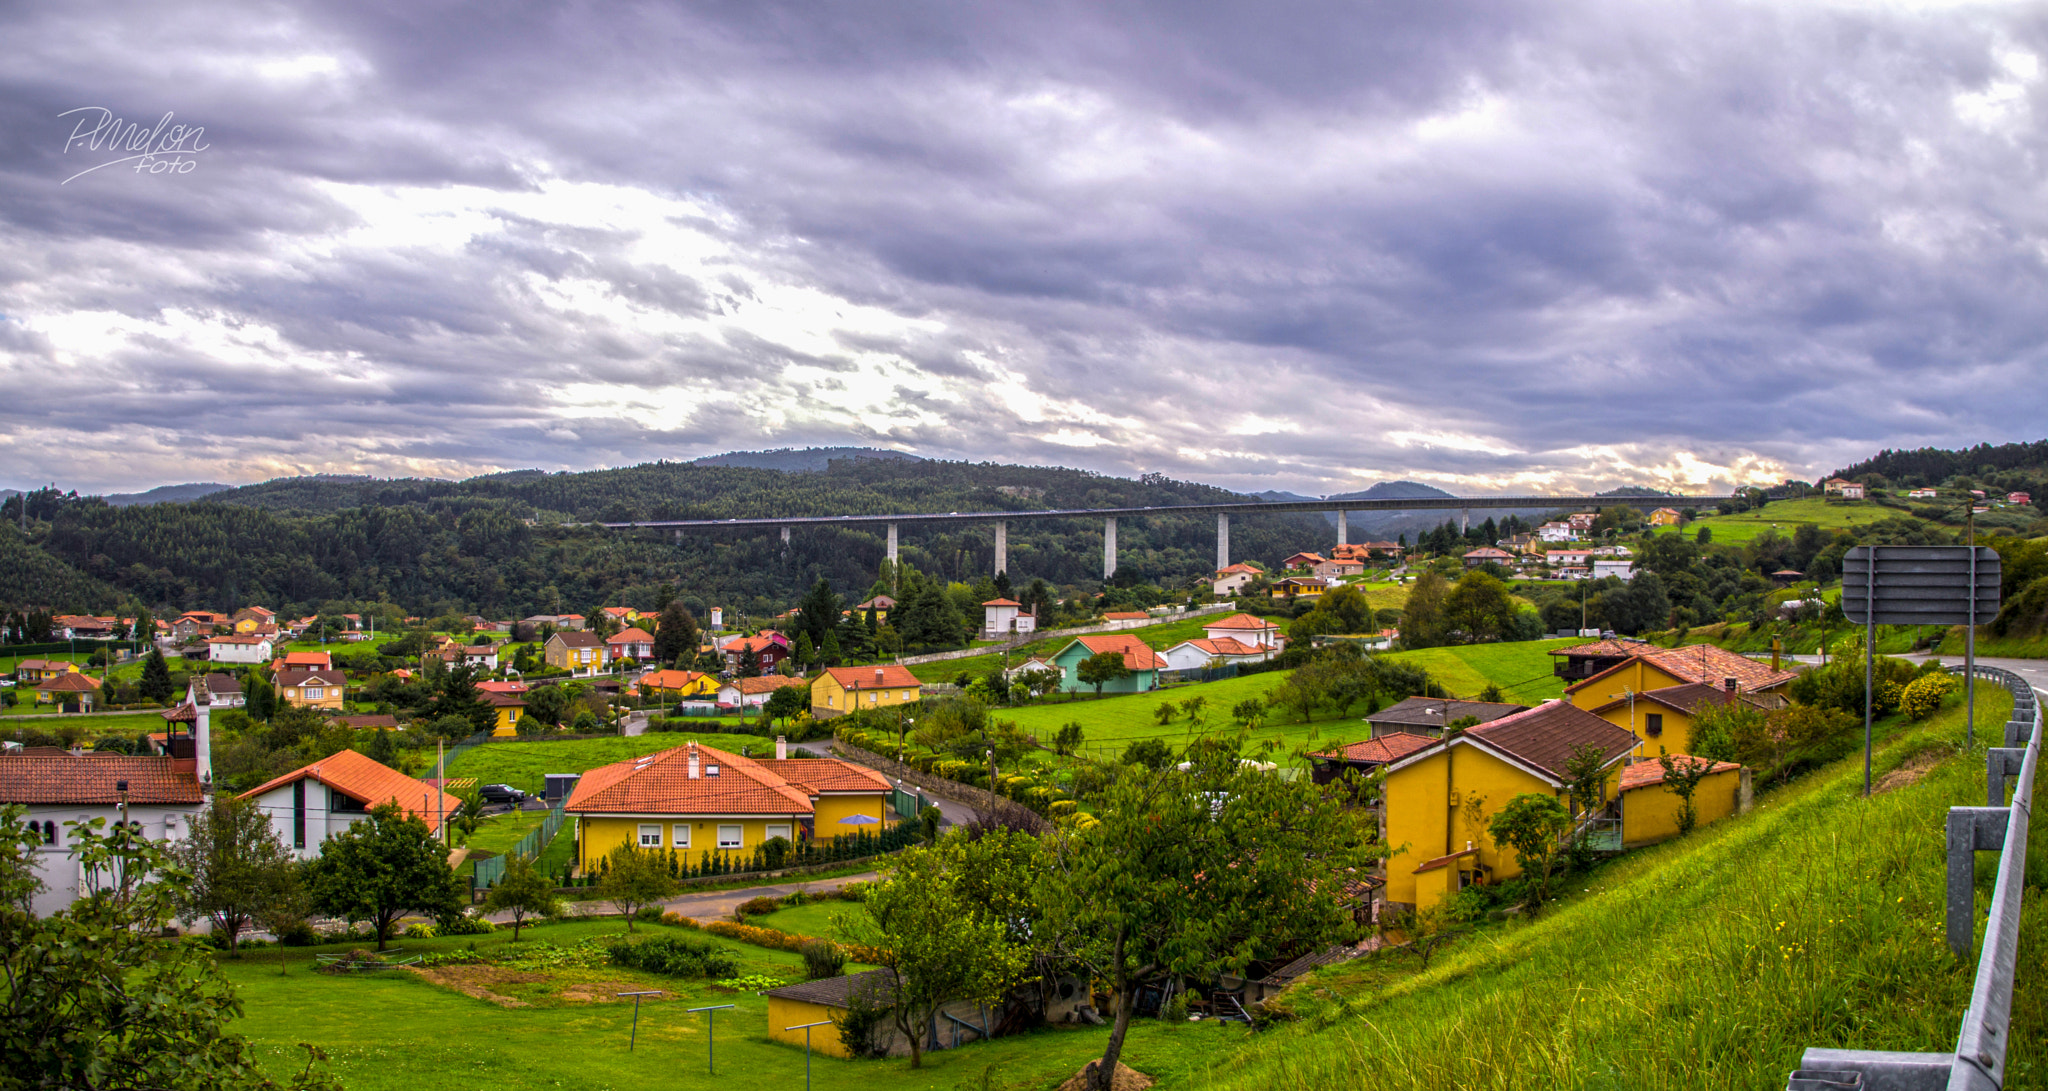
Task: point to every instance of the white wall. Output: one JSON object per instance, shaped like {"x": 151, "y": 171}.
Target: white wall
{"x": 59, "y": 869}
{"x": 322, "y": 820}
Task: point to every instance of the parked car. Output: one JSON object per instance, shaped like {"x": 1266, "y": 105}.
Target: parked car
{"x": 500, "y": 793}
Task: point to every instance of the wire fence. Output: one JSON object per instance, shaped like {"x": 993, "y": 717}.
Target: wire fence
{"x": 449, "y": 755}
{"x": 489, "y": 872}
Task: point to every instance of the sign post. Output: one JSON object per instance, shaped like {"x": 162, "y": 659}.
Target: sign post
{"x": 1919, "y": 585}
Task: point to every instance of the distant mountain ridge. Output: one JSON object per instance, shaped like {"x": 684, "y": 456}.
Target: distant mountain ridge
{"x": 806, "y": 460}
{"x": 167, "y": 494}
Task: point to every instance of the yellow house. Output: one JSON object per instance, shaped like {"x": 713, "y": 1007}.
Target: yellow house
{"x": 578, "y": 653}
{"x": 251, "y": 618}
{"x": 1664, "y": 517}
{"x": 1649, "y": 813}
{"x": 1663, "y": 718}
{"x": 313, "y": 689}
{"x": 698, "y": 799}
{"x": 842, "y": 689}
{"x": 1640, "y": 668}
{"x": 42, "y": 670}
{"x": 509, "y": 709}
{"x": 1439, "y": 799}
{"x": 674, "y": 684}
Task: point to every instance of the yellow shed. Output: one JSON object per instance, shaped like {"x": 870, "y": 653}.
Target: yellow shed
{"x": 1650, "y": 811}
{"x": 1440, "y": 799}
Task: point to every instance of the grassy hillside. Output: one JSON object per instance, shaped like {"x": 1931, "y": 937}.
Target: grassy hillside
{"x": 1786, "y": 515}
{"x": 1712, "y": 961}
{"x": 524, "y": 764}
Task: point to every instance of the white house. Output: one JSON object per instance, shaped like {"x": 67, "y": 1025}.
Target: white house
{"x": 1851, "y": 491}
{"x": 1924, "y": 494}
{"x": 1224, "y": 651}
{"x": 1003, "y": 617}
{"x": 1035, "y": 663}
{"x": 310, "y": 804}
{"x": 1555, "y": 532}
{"x": 753, "y": 692}
{"x": 1568, "y": 557}
{"x": 1619, "y": 569}
{"x": 239, "y": 649}
{"x": 1229, "y": 581}
{"x": 157, "y": 795}
{"x": 1245, "y": 629}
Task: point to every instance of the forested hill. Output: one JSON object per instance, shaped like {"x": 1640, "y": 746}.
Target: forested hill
{"x": 497, "y": 544}
{"x": 2007, "y": 466}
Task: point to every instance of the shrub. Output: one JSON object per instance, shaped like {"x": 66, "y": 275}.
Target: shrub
{"x": 822, "y": 959}
{"x": 649, "y": 913}
{"x": 675, "y": 956}
{"x": 299, "y": 934}
{"x": 467, "y": 926}
{"x": 419, "y": 931}
{"x": 755, "y": 907}
{"x": 677, "y": 920}
{"x": 1922, "y": 697}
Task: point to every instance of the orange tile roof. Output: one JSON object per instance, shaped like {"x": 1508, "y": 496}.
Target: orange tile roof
{"x": 1644, "y": 774}
{"x": 1002, "y": 602}
{"x": 1236, "y": 568}
{"x": 1545, "y": 736}
{"x": 372, "y": 782}
{"x": 660, "y": 783}
{"x": 828, "y": 775}
{"x": 501, "y": 687}
{"x": 767, "y": 683}
{"x": 1385, "y": 747}
{"x": 62, "y": 778}
{"x": 1138, "y": 655}
{"x": 1599, "y": 649}
{"x": 1226, "y": 646}
{"x": 1699, "y": 663}
{"x": 889, "y": 677}
{"x": 634, "y": 635}
{"x": 70, "y": 683}
{"x": 1241, "y": 621}
{"x": 668, "y": 679}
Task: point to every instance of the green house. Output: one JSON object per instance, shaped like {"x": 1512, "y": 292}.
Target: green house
{"x": 1139, "y": 658}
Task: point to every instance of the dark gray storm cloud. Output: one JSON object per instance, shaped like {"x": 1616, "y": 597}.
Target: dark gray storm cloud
{"x": 1308, "y": 246}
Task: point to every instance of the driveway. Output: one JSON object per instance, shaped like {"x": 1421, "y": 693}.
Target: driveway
{"x": 719, "y": 904}
{"x": 950, "y": 813}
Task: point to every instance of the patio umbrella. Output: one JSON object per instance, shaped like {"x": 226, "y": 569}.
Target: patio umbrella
{"x": 859, "y": 820}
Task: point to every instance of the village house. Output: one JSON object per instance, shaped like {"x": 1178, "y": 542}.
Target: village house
{"x": 508, "y": 708}
{"x": 1245, "y": 629}
{"x": 314, "y": 802}
{"x": 1006, "y": 617}
{"x": 1663, "y": 718}
{"x": 1301, "y": 560}
{"x": 1924, "y": 494}
{"x": 302, "y": 661}
{"x": 745, "y": 693}
{"x": 1366, "y": 756}
{"x": 1581, "y": 523}
{"x": 1139, "y": 658}
{"x": 1665, "y": 517}
{"x": 1555, "y": 532}
{"x": 1851, "y": 491}
{"x": 770, "y": 648}
{"x": 2019, "y": 498}
{"x": 197, "y": 623}
{"x": 313, "y": 689}
{"x": 1229, "y": 581}
{"x": 581, "y": 654}
{"x": 489, "y": 685}
{"x": 1834, "y": 485}
{"x": 1339, "y": 567}
{"x": 1602, "y": 671}
{"x": 1299, "y": 586}
{"x": 69, "y": 692}
{"x": 1618, "y": 568}
{"x": 1428, "y": 715}
{"x": 221, "y": 690}
{"x": 42, "y": 670}
{"x": 1488, "y": 555}
{"x": 239, "y": 649}
{"x": 675, "y": 685}
{"x": 1440, "y": 798}
{"x": 632, "y": 643}
{"x": 1217, "y": 652}
{"x": 839, "y": 690}
{"x": 696, "y": 800}
{"x": 480, "y": 657}
{"x": 1650, "y": 814}
{"x": 251, "y": 618}
{"x": 158, "y": 795}
{"x": 621, "y": 616}
{"x": 1568, "y": 558}
{"x": 880, "y": 604}
{"x": 1029, "y": 666}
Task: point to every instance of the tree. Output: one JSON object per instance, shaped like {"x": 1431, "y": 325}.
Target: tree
{"x": 818, "y": 612}
{"x": 1068, "y": 739}
{"x": 1682, "y": 776}
{"x": 236, "y": 864}
{"x": 523, "y": 892}
{"x": 1198, "y": 872}
{"x": 156, "y": 678}
{"x": 938, "y": 937}
{"x": 805, "y": 654}
{"x": 676, "y": 636}
{"x": 94, "y": 999}
{"x": 750, "y": 663}
{"x": 1530, "y": 824}
{"x": 1422, "y": 619}
{"x": 457, "y": 695}
{"x": 1478, "y": 609}
{"x": 786, "y": 702}
{"x": 287, "y": 910}
{"x": 1165, "y": 713}
{"x": 382, "y": 868}
{"x": 634, "y": 877}
{"x": 382, "y": 748}
{"x": 1100, "y": 668}
{"x": 1586, "y": 778}
{"x": 547, "y": 704}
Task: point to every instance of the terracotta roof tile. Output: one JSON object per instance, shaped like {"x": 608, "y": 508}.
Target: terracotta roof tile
{"x": 1545, "y": 736}
{"x": 888, "y": 677}
{"x": 1644, "y": 774}
{"x": 668, "y": 679}
{"x": 1387, "y": 746}
{"x": 295, "y": 679}
{"x": 767, "y": 683}
{"x": 1699, "y": 663}
{"x": 69, "y": 683}
{"x": 660, "y": 783}
{"x": 1225, "y": 646}
{"x": 828, "y": 775}
{"x": 1435, "y": 712}
{"x": 1003, "y": 602}
{"x": 634, "y": 635}
{"x": 372, "y": 782}
{"x": 1241, "y": 621}
{"x": 1138, "y": 655}
{"x": 576, "y": 639}
{"x": 38, "y": 778}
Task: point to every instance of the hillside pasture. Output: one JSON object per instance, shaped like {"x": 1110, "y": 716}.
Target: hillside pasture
{"x": 523, "y": 764}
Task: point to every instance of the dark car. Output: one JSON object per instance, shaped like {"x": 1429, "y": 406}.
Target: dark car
{"x": 500, "y": 793}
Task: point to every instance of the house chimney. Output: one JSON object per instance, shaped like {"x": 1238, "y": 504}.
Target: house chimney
{"x": 693, "y": 761}
{"x": 781, "y": 748}
{"x": 878, "y": 676}
{"x": 1728, "y": 684}
{"x": 202, "y": 737}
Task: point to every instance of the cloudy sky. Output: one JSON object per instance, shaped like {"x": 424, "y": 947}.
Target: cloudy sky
{"x": 1306, "y": 246}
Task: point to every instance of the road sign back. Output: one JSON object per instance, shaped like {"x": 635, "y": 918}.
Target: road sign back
{"x": 1920, "y": 585}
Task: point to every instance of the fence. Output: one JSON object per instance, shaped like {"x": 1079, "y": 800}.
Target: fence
{"x": 488, "y": 872}
{"x": 449, "y": 755}
{"x": 908, "y": 804}
{"x": 1978, "y": 1062}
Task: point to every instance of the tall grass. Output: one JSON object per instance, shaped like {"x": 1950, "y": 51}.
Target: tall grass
{"x": 1711, "y": 961}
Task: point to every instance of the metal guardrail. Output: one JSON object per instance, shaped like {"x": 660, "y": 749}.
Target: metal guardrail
{"x": 1978, "y": 1062}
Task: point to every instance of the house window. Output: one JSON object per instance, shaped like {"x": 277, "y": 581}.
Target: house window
{"x": 1653, "y": 723}
{"x": 314, "y": 693}
{"x": 778, "y": 831}
{"x": 679, "y": 836}
{"x": 650, "y": 837}
{"x": 729, "y": 837}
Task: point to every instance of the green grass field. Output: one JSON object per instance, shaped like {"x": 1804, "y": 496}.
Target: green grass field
{"x": 1157, "y": 636}
{"x": 395, "y": 1031}
{"x": 814, "y": 919}
{"x": 1521, "y": 669}
{"x": 524, "y": 764}
{"x": 1786, "y": 515}
{"x": 1710, "y": 961}
{"x": 125, "y": 725}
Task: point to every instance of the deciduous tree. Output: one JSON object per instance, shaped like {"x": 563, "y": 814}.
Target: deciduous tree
{"x": 1530, "y": 825}
{"x": 236, "y": 864}
{"x": 522, "y": 892}
{"x": 1101, "y": 668}
{"x": 634, "y": 877}
{"x": 382, "y": 868}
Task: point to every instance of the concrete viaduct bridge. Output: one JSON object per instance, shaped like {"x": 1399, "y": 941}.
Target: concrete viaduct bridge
{"x": 1002, "y": 519}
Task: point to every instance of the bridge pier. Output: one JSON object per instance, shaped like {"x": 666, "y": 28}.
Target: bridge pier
{"x": 1108, "y": 547}
{"x": 1343, "y": 530}
{"x": 1465, "y": 520}
{"x": 1222, "y": 540}
{"x": 1002, "y": 546}
{"x": 785, "y": 541}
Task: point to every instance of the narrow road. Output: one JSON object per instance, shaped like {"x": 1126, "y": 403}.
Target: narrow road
{"x": 719, "y": 904}
{"x": 950, "y": 813}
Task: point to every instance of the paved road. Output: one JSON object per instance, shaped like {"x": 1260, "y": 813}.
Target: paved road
{"x": 2033, "y": 670}
{"x": 950, "y": 813}
{"x": 719, "y": 904}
